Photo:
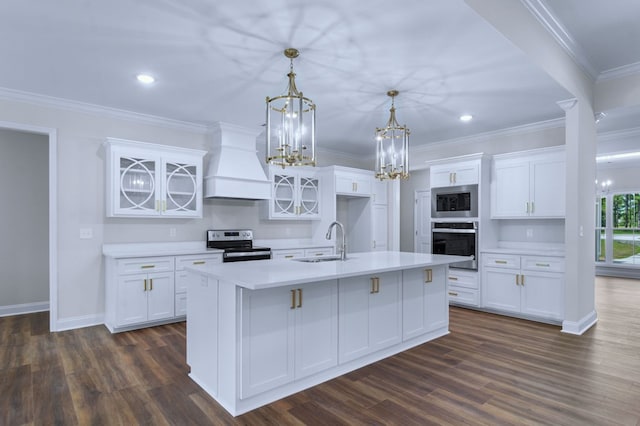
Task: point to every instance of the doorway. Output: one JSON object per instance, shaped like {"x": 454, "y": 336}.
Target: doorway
{"x": 49, "y": 227}
{"x": 422, "y": 221}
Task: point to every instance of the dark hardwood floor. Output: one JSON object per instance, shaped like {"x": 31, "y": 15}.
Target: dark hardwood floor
{"x": 489, "y": 370}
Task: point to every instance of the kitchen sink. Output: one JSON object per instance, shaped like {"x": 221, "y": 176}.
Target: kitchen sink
{"x": 317, "y": 259}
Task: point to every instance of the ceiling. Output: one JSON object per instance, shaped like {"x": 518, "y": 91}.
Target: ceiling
{"x": 218, "y": 60}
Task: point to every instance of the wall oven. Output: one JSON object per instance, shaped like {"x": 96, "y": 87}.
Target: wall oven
{"x": 456, "y": 238}
{"x": 454, "y": 202}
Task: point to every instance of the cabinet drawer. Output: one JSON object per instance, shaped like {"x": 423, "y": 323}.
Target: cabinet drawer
{"x": 181, "y": 304}
{"x": 286, "y": 254}
{"x": 462, "y": 295}
{"x": 507, "y": 261}
{"x": 549, "y": 264}
{"x": 322, "y": 251}
{"x": 460, "y": 278}
{"x": 147, "y": 264}
{"x": 198, "y": 261}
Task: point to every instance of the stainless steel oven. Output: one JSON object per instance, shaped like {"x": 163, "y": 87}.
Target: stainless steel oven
{"x": 456, "y": 238}
{"x": 237, "y": 245}
{"x": 454, "y": 202}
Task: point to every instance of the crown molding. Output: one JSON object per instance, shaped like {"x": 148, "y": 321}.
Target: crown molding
{"x": 82, "y": 107}
{"x": 619, "y": 134}
{"x": 543, "y": 14}
{"x": 619, "y": 72}
{"x": 481, "y": 137}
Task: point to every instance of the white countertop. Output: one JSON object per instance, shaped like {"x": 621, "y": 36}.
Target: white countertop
{"x": 120, "y": 251}
{"x": 260, "y": 274}
{"x": 533, "y": 249}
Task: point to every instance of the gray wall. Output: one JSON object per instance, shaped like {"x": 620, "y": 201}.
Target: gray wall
{"x": 24, "y": 216}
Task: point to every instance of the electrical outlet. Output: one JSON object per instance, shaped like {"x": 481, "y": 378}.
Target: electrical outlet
{"x": 529, "y": 233}
{"x": 86, "y": 233}
{"x": 172, "y": 232}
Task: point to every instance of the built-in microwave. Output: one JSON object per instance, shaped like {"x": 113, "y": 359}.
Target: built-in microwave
{"x": 454, "y": 201}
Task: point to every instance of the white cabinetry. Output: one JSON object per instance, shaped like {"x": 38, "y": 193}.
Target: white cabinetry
{"x": 301, "y": 252}
{"x": 370, "y": 314}
{"x": 529, "y": 184}
{"x": 205, "y": 262}
{"x": 458, "y": 173}
{"x": 295, "y": 194}
{"x": 287, "y": 333}
{"x": 147, "y": 291}
{"x": 152, "y": 180}
{"x": 463, "y": 287}
{"x": 424, "y": 301}
{"x": 528, "y": 285}
{"x": 353, "y": 182}
{"x": 379, "y": 225}
{"x": 144, "y": 290}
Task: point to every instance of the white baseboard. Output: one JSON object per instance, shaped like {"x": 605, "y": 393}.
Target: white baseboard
{"x": 579, "y": 327}
{"x": 24, "y": 308}
{"x": 79, "y": 322}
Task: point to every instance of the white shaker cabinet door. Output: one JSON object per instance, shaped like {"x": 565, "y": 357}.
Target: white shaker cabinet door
{"x": 501, "y": 290}
{"x": 131, "y": 304}
{"x": 425, "y": 302}
{"x": 543, "y": 294}
{"x": 510, "y": 197}
{"x": 160, "y": 296}
{"x": 267, "y": 340}
{"x": 316, "y": 328}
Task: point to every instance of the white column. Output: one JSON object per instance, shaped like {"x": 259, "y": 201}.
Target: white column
{"x": 579, "y": 306}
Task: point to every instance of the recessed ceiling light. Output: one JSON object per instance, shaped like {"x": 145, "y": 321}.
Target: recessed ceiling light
{"x": 466, "y": 117}
{"x": 145, "y": 78}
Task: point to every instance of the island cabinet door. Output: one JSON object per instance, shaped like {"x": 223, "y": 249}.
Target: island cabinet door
{"x": 424, "y": 301}
{"x": 369, "y": 315}
{"x": 316, "y": 327}
{"x": 267, "y": 344}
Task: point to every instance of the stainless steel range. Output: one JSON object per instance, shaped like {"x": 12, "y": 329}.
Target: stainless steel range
{"x": 237, "y": 245}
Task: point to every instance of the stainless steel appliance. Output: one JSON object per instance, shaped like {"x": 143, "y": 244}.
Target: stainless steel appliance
{"x": 237, "y": 245}
{"x": 456, "y": 238}
{"x": 454, "y": 202}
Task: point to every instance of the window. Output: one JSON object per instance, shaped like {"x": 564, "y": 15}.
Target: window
{"x": 618, "y": 229}
{"x": 626, "y": 228}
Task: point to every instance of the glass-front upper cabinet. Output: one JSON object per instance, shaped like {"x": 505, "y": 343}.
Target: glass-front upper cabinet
{"x": 295, "y": 194}
{"x": 152, "y": 180}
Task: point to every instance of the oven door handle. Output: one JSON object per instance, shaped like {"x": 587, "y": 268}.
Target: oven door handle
{"x": 453, "y": 231}
{"x": 248, "y": 253}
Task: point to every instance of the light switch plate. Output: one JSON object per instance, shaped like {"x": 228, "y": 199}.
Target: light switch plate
{"x": 172, "y": 232}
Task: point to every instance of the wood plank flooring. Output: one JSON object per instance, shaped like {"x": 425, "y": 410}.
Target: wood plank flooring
{"x": 490, "y": 370}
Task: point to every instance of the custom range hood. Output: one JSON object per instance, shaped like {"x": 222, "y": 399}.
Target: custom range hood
{"x": 234, "y": 170}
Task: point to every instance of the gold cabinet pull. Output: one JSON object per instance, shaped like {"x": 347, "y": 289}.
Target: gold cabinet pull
{"x": 428, "y": 275}
{"x": 453, "y": 293}
{"x": 147, "y": 266}
{"x": 151, "y": 284}
{"x": 293, "y": 299}
{"x": 318, "y": 254}
{"x": 522, "y": 280}
{"x": 527, "y": 207}
{"x": 164, "y": 205}
{"x": 299, "y": 298}
{"x": 373, "y": 285}
{"x": 377, "y": 285}
{"x": 502, "y": 262}
{"x": 289, "y": 256}
{"x": 546, "y": 265}
{"x": 199, "y": 262}
{"x": 517, "y": 279}
{"x": 145, "y": 284}
{"x": 453, "y": 278}
{"x": 158, "y": 205}
{"x": 532, "y": 207}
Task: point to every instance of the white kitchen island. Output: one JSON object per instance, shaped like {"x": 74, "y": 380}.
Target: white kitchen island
{"x": 259, "y": 331}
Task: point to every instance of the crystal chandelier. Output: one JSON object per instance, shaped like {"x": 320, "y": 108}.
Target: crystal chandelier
{"x": 291, "y": 125}
{"x": 392, "y": 152}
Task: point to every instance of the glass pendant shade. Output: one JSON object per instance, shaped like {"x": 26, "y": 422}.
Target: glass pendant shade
{"x": 291, "y": 125}
{"x": 392, "y": 147}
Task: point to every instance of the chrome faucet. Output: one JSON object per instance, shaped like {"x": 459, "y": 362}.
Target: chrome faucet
{"x": 343, "y": 249}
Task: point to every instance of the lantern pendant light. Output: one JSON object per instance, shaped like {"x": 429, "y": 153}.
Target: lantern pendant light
{"x": 291, "y": 125}
{"x": 392, "y": 147}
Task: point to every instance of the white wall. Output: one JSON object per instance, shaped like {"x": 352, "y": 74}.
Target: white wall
{"x": 24, "y": 234}
{"x": 418, "y": 179}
